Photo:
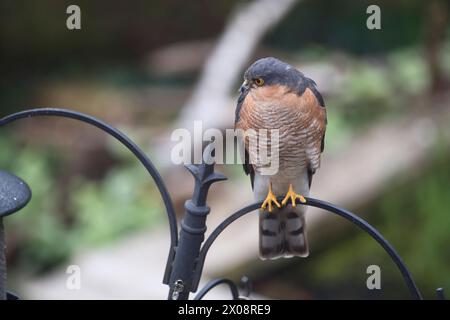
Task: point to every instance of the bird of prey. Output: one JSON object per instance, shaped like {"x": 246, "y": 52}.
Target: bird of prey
{"x": 275, "y": 95}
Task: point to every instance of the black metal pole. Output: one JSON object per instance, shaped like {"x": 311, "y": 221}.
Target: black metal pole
{"x": 14, "y": 195}
{"x": 192, "y": 232}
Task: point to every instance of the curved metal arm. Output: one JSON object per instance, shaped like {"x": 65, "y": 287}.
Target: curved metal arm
{"x": 146, "y": 162}
{"x": 214, "y": 283}
{"x": 364, "y": 225}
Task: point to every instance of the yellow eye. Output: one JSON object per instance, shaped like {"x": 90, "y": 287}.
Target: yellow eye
{"x": 259, "y": 82}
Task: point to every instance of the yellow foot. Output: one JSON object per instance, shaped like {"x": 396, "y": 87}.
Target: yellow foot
{"x": 270, "y": 199}
{"x": 293, "y": 197}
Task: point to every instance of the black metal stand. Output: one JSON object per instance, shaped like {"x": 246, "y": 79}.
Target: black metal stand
{"x": 192, "y": 234}
{"x": 186, "y": 257}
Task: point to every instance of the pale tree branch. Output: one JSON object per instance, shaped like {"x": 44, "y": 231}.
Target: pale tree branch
{"x": 223, "y": 68}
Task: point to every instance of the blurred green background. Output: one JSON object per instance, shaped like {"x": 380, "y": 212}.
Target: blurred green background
{"x": 87, "y": 191}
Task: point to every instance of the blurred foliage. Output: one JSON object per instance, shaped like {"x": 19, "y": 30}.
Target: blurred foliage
{"x": 381, "y": 88}
{"x": 414, "y": 215}
{"x": 373, "y": 89}
{"x": 342, "y": 25}
{"x": 421, "y": 221}
{"x": 100, "y": 212}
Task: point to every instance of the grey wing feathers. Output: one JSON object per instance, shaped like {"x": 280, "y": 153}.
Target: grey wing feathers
{"x": 248, "y": 168}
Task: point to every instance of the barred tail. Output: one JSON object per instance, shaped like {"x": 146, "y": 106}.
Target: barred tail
{"x": 282, "y": 233}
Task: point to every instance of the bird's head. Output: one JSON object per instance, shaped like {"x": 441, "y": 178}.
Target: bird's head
{"x": 268, "y": 72}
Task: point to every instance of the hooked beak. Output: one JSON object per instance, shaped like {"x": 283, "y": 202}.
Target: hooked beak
{"x": 244, "y": 87}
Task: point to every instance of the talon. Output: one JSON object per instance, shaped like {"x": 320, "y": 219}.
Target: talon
{"x": 291, "y": 195}
{"x": 270, "y": 200}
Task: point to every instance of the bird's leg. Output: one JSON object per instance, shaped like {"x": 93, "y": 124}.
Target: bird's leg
{"x": 270, "y": 199}
{"x": 292, "y": 196}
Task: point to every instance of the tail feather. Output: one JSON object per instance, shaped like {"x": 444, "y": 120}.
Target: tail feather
{"x": 282, "y": 233}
